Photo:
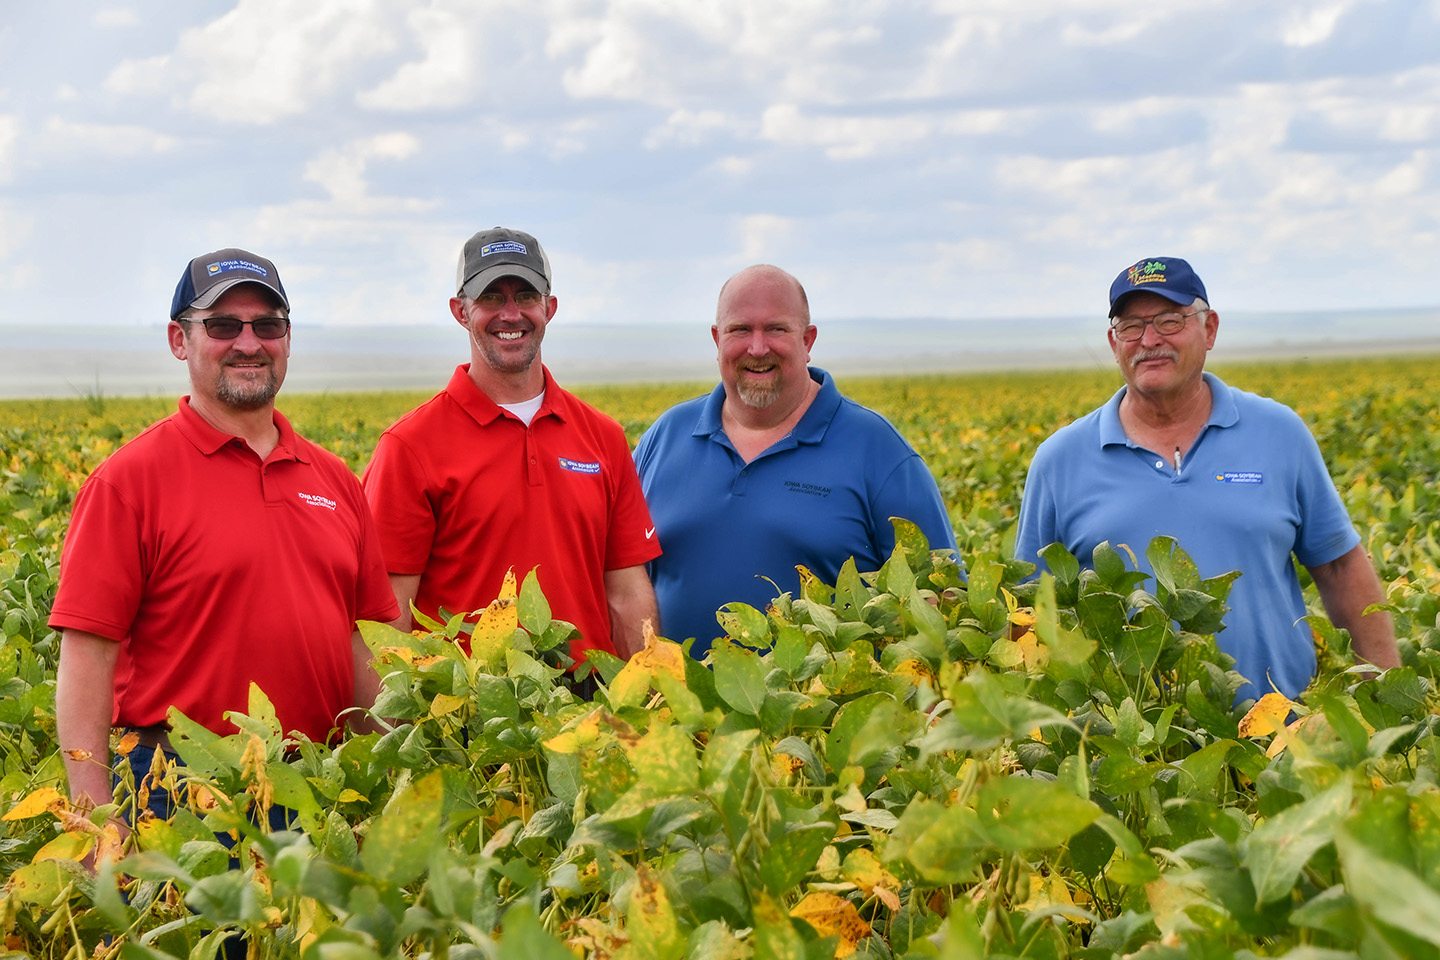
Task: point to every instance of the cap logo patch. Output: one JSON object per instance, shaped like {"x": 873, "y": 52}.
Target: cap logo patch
{"x": 1147, "y": 272}
{"x": 225, "y": 266}
{"x": 503, "y": 246}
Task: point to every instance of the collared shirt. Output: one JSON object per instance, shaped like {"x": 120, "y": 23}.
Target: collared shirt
{"x": 463, "y": 491}
{"x": 1251, "y": 491}
{"x": 818, "y": 496}
{"x": 214, "y": 569}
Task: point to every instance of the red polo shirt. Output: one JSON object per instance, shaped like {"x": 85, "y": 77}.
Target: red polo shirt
{"x": 214, "y": 570}
{"x": 462, "y": 491}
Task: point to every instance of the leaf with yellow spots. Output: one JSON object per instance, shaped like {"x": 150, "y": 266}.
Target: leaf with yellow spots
{"x": 1267, "y": 716}
{"x": 915, "y": 671}
{"x": 44, "y": 800}
{"x": 831, "y": 915}
{"x": 650, "y": 921}
{"x": 445, "y": 703}
{"x": 403, "y": 654}
{"x": 583, "y": 734}
{"x": 427, "y": 661}
{"x": 1031, "y": 652}
{"x": 497, "y": 625}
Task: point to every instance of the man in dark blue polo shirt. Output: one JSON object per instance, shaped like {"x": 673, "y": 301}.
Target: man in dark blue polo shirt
{"x": 774, "y": 468}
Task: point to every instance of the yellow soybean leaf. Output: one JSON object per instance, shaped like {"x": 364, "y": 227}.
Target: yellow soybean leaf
{"x": 38, "y": 802}
{"x": 661, "y": 656}
{"x": 1267, "y": 716}
{"x": 863, "y": 869}
{"x": 784, "y": 765}
{"x": 1023, "y": 618}
{"x": 831, "y": 915}
{"x": 631, "y": 684}
{"x": 127, "y": 743}
{"x": 498, "y": 623}
{"x": 916, "y": 671}
{"x": 445, "y": 703}
{"x": 67, "y": 846}
{"x": 350, "y": 796}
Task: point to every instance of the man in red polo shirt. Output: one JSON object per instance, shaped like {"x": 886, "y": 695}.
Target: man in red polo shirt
{"x": 503, "y": 469}
{"x": 216, "y": 549}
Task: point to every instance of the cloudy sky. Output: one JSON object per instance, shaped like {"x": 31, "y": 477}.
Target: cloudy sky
{"x": 939, "y": 158}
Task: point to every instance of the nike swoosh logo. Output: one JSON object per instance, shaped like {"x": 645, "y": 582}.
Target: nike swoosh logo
{"x": 649, "y": 533}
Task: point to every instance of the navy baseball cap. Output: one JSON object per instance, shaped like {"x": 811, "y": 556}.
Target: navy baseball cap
{"x": 206, "y": 278}
{"x": 1169, "y": 277}
{"x": 498, "y": 252}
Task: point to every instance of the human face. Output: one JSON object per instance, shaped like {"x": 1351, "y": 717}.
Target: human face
{"x": 763, "y": 336}
{"x": 506, "y": 338}
{"x": 240, "y": 374}
{"x": 1157, "y": 365}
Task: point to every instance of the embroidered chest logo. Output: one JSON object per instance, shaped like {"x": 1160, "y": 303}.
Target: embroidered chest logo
{"x": 813, "y": 489}
{"x": 578, "y": 466}
{"x": 1240, "y": 476}
{"x": 315, "y": 500}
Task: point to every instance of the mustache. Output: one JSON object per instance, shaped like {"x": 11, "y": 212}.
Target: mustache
{"x": 1159, "y": 353}
{"x": 762, "y": 363}
{"x": 238, "y": 356}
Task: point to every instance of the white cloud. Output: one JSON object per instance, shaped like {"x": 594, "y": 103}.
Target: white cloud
{"x": 843, "y": 137}
{"x": 66, "y": 138}
{"x": 1306, "y": 28}
{"x": 342, "y": 172}
{"x": 689, "y": 127}
{"x": 443, "y": 77}
{"x": 65, "y": 93}
{"x": 264, "y": 60}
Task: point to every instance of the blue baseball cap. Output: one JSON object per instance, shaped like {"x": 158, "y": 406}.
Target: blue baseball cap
{"x": 206, "y": 278}
{"x": 1168, "y": 277}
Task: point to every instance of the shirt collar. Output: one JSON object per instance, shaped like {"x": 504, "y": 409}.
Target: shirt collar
{"x": 810, "y": 429}
{"x": 1223, "y": 411}
{"x": 485, "y": 411}
{"x": 208, "y": 440}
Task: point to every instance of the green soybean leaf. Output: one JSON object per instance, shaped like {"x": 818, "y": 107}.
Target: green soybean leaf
{"x": 398, "y": 844}
{"x": 1280, "y": 847}
{"x": 739, "y": 677}
{"x": 792, "y": 855}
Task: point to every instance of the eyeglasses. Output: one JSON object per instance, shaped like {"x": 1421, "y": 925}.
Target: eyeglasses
{"x": 524, "y": 299}
{"x": 228, "y": 328}
{"x": 1166, "y": 324}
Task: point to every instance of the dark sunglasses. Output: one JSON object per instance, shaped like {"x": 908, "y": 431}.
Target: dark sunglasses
{"x": 228, "y": 328}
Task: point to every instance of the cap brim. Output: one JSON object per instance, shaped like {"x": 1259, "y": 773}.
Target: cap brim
{"x": 476, "y": 285}
{"x": 1182, "y": 299}
{"x": 207, "y": 299}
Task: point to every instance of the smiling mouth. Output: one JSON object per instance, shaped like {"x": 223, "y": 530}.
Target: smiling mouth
{"x": 509, "y": 334}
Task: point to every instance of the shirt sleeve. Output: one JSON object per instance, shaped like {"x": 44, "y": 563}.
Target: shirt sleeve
{"x": 102, "y": 564}
{"x": 1326, "y": 531}
{"x": 631, "y": 538}
{"x": 910, "y": 493}
{"x": 1038, "y": 526}
{"x": 374, "y": 597}
{"x": 401, "y": 502}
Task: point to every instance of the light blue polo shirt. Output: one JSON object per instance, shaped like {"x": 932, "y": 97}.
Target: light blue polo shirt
{"x": 1251, "y": 491}
{"x": 822, "y": 494}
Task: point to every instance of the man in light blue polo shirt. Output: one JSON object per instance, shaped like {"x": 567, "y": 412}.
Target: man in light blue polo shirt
{"x": 1236, "y": 478}
{"x": 774, "y": 468}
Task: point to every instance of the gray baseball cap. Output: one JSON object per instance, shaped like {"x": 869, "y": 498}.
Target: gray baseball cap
{"x": 206, "y": 278}
{"x": 498, "y": 252}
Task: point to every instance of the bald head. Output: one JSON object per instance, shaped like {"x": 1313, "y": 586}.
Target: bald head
{"x": 768, "y": 281}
